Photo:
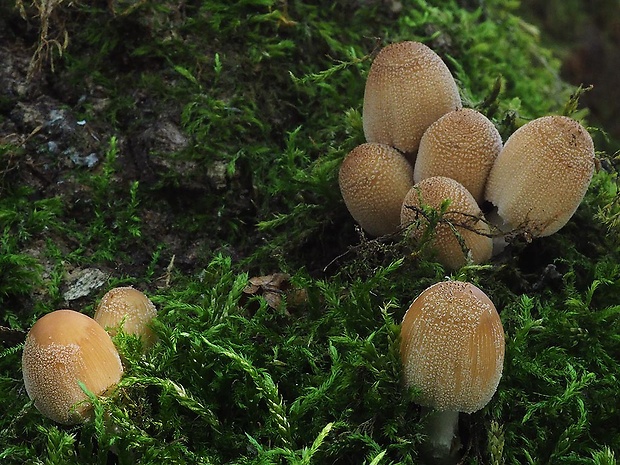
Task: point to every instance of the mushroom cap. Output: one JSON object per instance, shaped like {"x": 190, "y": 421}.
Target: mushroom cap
{"x": 374, "y": 179}
{"x": 462, "y": 145}
{"x": 452, "y": 347}
{"x": 542, "y": 174}
{"x": 463, "y": 213}
{"x": 129, "y": 308}
{"x": 408, "y": 88}
{"x": 62, "y": 348}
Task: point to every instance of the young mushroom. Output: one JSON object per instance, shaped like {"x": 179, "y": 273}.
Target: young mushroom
{"x": 462, "y": 145}
{"x": 62, "y": 349}
{"x": 452, "y": 350}
{"x": 541, "y": 175}
{"x": 373, "y": 180}
{"x": 408, "y": 88}
{"x": 461, "y": 235}
{"x": 130, "y": 309}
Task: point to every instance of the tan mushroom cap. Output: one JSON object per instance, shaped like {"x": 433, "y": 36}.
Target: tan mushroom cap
{"x": 463, "y": 213}
{"x": 62, "y": 348}
{"x": 408, "y": 88}
{"x": 130, "y": 308}
{"x": 452, "y": 347}
{"x": 542, "y": 174}
{"x": 374, "y": 179}
{"x": 462, "y": 145}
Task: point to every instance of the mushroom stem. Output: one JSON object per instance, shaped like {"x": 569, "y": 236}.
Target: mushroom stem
{"x": 442, "y": 441}
{"x": 499, "y": 229}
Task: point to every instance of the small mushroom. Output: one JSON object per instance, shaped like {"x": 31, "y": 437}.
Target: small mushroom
{"x": 130, "y": 309}
{"x": 408, "y": 88}
{"x": 541, "y": 175}
{"x": 462, "y": 145}
{"x": 374, "y": 179}
{"x": 462, "y": 233}
{"x": 452, "y": 350}
{"x": 63, "y": 348}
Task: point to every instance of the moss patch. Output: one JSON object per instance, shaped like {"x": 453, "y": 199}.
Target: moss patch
{"x": 186, "y": 148}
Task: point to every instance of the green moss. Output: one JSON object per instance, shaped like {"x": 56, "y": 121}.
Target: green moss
{"x": 271, "y": 94}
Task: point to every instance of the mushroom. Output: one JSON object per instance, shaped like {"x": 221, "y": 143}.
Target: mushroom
{"x": 130, "y": 309}
{"x": 462, "y": 145}
{"x": 462, "y": 233}
{"x": 62, "y": 349}
{"x": 408, "y": 88}
{"x": 541, "y": 175}
{"x": 374, "y": 179}
{"x": 452, "y": 351}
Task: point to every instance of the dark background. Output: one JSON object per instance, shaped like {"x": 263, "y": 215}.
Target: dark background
{"x": 586, "y": 35}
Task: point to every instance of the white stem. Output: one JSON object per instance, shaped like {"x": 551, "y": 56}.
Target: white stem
{"x": 442, "y": 442}
{"x": 500, "y": 229}
{"x": 499, "y": 244}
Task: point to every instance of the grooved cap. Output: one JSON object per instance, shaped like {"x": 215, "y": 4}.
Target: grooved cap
{"x": 62, "y": 348}
{"x": 452, "y": 347}
{"x": 463, "y": 213}
{"x": 542, "y": 174}
{"x": 462, "y": 145}
{"x": 373, "y": 180}
{"x": 408, "y": 88}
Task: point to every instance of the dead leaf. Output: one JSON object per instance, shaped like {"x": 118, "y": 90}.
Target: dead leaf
{"x": 273, "y": 287}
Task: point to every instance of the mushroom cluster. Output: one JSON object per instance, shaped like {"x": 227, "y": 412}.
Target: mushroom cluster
{"x": 414, "y": 122}
{"x": 67, "y": 354}
{"x": 438, "y": 164}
